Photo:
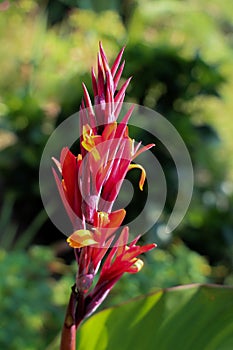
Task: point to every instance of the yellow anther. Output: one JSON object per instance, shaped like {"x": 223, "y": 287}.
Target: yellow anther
{"x": 89, "y": 141}
{"x": 103, "y": 219}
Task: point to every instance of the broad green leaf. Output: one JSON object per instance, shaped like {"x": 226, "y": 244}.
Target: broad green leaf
{"x": 185, "y": 318}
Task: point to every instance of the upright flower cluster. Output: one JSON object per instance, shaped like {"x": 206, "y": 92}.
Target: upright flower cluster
{"x": 90, "y": 183}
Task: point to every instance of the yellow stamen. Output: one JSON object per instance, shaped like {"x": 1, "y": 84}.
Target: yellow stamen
{"x": 81, "y": 238}
{"x": 143, "y": 174}
{"x": 103, "y": 219}
{"x": 89, "y": 141}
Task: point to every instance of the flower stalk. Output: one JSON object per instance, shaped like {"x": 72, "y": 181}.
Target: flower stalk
{"x": 68, "y": 336}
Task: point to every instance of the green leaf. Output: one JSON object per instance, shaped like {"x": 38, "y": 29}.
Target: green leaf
{"x": 188, "y": 317}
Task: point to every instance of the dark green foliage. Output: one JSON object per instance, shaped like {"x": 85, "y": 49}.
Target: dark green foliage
{"x": 191, "y": 317}
{"x": 29, "y": 317}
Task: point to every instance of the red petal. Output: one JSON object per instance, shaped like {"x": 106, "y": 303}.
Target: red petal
{"x": 100, "y": 84}
{"x": 143, "y": 149}
{"x": 70, "y": 167}
{"x": 123, "y": 124}
{"x": 89, "y": 108}
{"x": 94, "y": 82}
{"x": 104, "y": 58}
{"x": 118, "y": 75}
{"x": 63, "y": 197}
{"x": 117, "y": 62}
{"x": 122, "y": 90}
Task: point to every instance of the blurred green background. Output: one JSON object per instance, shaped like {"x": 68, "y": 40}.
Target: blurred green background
{"x": 180, "y": 54}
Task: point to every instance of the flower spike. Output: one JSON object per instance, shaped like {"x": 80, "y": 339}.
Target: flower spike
{"x": 89, "y": 183}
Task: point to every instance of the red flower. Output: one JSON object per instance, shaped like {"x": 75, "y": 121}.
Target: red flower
{"x": 122, "y": 258}
{"x": 90, "y": 183}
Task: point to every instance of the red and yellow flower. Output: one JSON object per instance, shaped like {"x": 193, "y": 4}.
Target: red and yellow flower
{"x": 91, "y": 181}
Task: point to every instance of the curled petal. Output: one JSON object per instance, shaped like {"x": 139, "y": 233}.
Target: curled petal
{"x": 143, "y": 174}
{"x": 136, "y": 267}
